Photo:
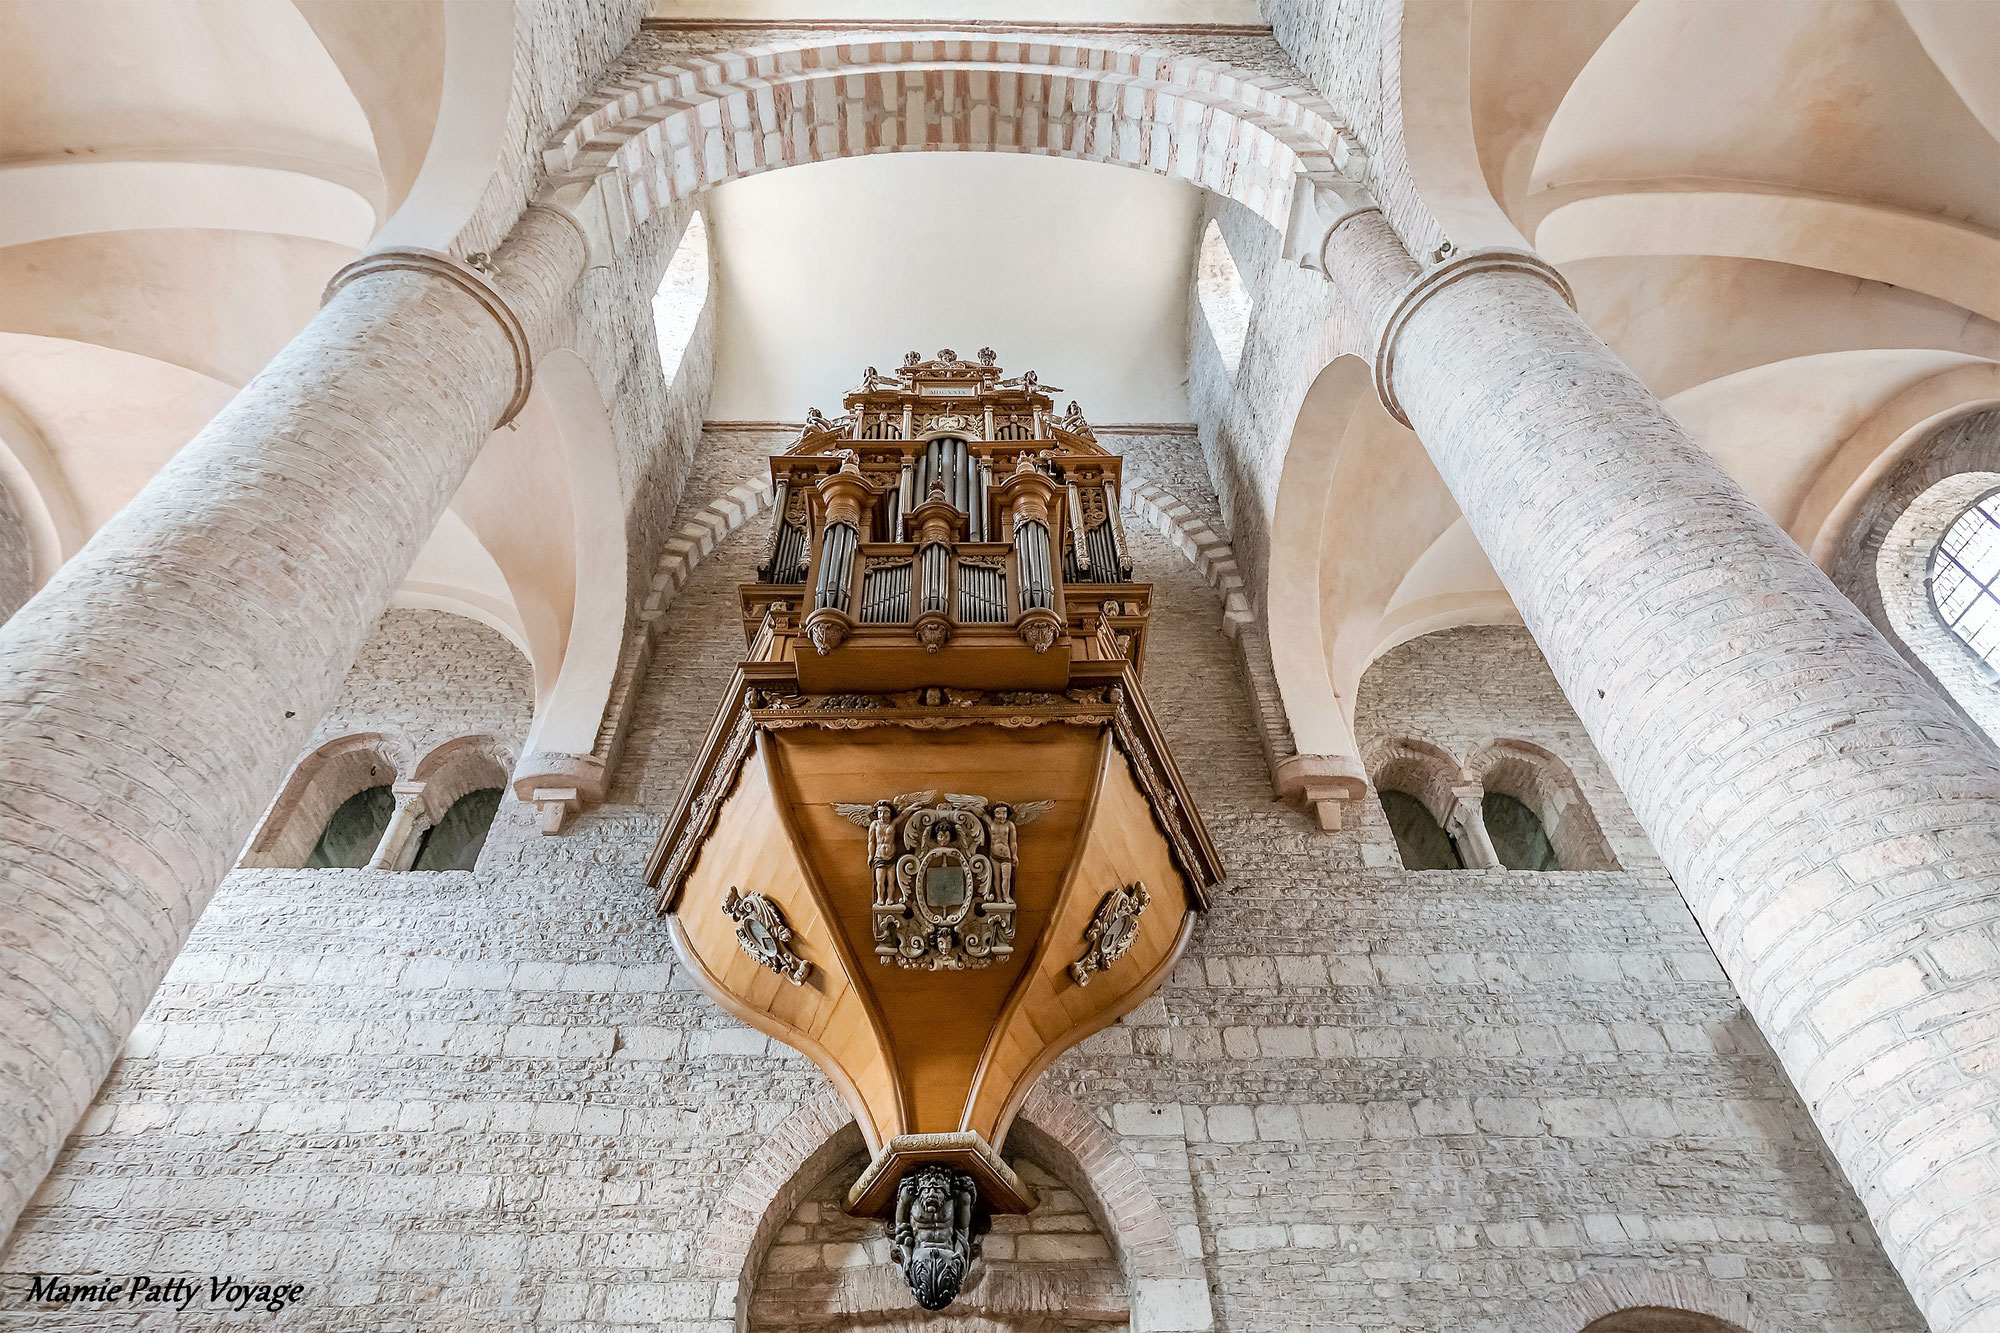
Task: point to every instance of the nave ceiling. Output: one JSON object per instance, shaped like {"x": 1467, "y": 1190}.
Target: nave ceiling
{"x": 1789, "y": 234}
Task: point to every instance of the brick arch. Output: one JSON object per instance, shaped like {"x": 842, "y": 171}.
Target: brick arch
{"x": 686, "y": 123}
{"x": 1206, "y": 549}
{"x": 1540, "y": 780}
{"x": 1055, "y": 1131}
{"x": 1419, "y": 769}
{"x": 1599, "y": 1296}
{"x": 314, "y": 789}
{"x": 715, "y": 523}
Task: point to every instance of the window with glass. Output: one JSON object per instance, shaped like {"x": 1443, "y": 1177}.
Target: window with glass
{"x": 1965, "y": 578}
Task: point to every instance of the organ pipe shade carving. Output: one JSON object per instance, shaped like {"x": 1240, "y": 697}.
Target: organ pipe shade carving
{"x": 932, "y": 792}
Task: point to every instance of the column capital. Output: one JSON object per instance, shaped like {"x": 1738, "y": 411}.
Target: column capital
{"x": 1495, "y": 259}
{"x": 468, "y": 279}
{"x": 1321, "y": 204}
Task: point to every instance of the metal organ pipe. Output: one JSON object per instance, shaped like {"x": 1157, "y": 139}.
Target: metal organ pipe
{"x": 836, "y": 566}
{"x": 1031, "y": 550}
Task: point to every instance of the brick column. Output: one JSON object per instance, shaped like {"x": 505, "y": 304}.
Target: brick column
{"x": 1833, "y": 824}
{"x": 152, "y": 695}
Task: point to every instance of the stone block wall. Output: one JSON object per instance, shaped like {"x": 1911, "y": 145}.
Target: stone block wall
{"x": 1051, "y": 1270}
{"x": 429, "y": 676}
{"x": 1367, "y": 1099}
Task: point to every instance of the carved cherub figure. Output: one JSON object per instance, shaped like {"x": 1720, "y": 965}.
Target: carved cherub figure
{"x": 1003, "y": 821}
{"x": 816, "y": 421}
{"x": 882, "y": 851}
{"x": 872, "y": 378}
{"x": 880, "y": 819}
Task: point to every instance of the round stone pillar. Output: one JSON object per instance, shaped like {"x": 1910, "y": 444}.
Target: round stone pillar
{"x": 1834, "y": 826}
{"x": 154, "y": 693}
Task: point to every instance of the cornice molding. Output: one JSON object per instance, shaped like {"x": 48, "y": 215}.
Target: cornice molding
{"x": 982, "y": 27}
{"x": 1496, "y": 259}
{"x": 467, "y": 279}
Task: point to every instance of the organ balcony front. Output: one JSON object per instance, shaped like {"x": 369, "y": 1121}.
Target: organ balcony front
{"x": 934, "y": 837}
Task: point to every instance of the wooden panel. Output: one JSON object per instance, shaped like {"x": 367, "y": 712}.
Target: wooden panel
{"x": 1052, "y": 1012}
{"x": 938, "y": 1022}
{"x": 827, "y": 1017}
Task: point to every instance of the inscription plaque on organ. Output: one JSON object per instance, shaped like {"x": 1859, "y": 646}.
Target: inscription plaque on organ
{"x": 918, "y": 840}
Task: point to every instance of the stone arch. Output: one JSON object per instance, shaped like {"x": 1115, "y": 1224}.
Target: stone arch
{"x": 715, "y": 523}
{"x": 1336, "y": 541}
{"x": 1539, "y": 780}
{"x": 673, "y": 130}
{"x": 460, "y": 765}
{"x": 1618, "y": 1301}
{"x": 314, "y": 789}
{"x": 577, "y": 573}
{"x": 1428, "y": 772}
{"x": 1166, "y": 1288}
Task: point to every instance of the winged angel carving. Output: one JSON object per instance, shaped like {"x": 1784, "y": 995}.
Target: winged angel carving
{"x": 944, "y": 876}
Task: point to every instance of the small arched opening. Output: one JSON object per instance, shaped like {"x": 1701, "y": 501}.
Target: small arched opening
{"x": 354, "y": 830}
{"x": 328, "y": 805}
{"x": 1534, "y": 811}
{"x": 682, "y": 296}
{"x": 1221, "y": 297}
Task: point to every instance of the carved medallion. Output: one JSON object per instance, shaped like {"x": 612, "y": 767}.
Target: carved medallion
{"x": 944, "y": 877}
{"x": 1111, "y": 932}
{"x": 761, "y": 930}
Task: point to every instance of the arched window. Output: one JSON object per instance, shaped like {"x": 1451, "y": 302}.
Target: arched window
{"x": 1519, "y": 839}
{"x": 455, "y": 843}
{"x": 354, "y": 830}
{"x": 682, "y": 295}
{"x": 1419, "y": 837}
{"x": 1224, "y": 300}
{"x": 1965, "y": 579}
{"x": 1659, "y": 1319}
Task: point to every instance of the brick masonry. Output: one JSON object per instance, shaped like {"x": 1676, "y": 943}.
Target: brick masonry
{"x": 155, "y": 692}
{"x": 1368, "y": 1099}
{"x": 1833, "y": 823}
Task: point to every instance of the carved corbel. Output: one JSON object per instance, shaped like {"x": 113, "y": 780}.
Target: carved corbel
{"x": 558, "y": 785}
{"x": 1322, "y": 783}
{"x": 1321, "y": 202}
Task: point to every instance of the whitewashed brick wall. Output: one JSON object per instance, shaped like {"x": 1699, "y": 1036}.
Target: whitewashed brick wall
{"x": 1368, "y": 1099}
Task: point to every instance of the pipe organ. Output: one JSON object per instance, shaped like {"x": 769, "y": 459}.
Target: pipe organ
{"x": 935, "y": 837}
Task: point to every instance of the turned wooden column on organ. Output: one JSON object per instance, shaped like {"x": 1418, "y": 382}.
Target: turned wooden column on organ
{"x": 1833, "y": 824}
{"x": 154, "y": 693}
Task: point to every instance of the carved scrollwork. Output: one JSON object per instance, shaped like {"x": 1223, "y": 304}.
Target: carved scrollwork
{"x": 1111, "y": 931}
{"x": 944, "y": 877}
{"x": 763, "y": 934}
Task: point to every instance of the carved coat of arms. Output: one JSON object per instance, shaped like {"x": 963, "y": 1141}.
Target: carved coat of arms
{"x": 944, "y": 876}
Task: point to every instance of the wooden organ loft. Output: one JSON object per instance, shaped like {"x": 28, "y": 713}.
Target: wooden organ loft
{"x": 934, "y": 837}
